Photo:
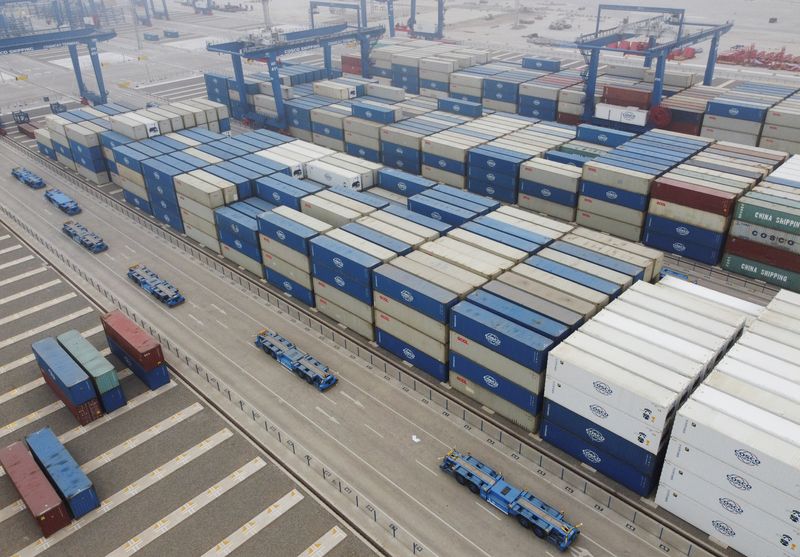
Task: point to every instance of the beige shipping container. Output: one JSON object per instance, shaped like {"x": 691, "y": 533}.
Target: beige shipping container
{"x": 341, "y": 315}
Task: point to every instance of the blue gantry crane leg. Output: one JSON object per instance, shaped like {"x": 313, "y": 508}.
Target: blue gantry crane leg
{"x": 361, "y": 9}
{"x": 323, "y": 37}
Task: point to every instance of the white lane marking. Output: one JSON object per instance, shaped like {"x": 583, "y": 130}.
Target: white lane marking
{"x": 375, "y": 431}
{"x": 15, "y": 262}
{"x": 329, "y": 399}
{"x": 22, "y": 389}
{"x": 221, "y": 324}
{"x": 196, "y": 320}
{"x": 30, "y": 357}
{"x": 46, "y": 326}
{"x": 354, "y": 401}
{"x": 124, "y": 447}
{"x": 111, "y": 257}
{"x": 587, "y": 553}
{"x": 219, "y": 309}
{"x": 30, "y": 418}
{"x": 251, "y": 345}
{"x": 10, "y": 249}
{"x": 5, "y": 236}
{"x": 76, "y": 432}
{"x": 29, "y": 291}
{"x": 325, "y": 544}
{"x": 324, "y": 413}
{"x": 486, "y": 509}
{"x": 22, "y": 276}
{"x": 235, "y": 539}
{"x": 161, "y": 527}
{"x": 114, "y": 192}
{"x": 426, "y": 468}
{"x": 148, "y": 480}
{"x": 48, "y": 211}
{"x": 191, "y": 303}
{"x": 130, "y": 249}
{"x": 38, "y": 307}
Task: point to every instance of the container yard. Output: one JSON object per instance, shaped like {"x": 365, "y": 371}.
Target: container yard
{"x": 548, "y": 250}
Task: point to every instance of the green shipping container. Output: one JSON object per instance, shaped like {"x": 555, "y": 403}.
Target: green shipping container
{"x": 762, "y": 271}
{"x": 775, "y": 215}
{"x": 91, "y": 360}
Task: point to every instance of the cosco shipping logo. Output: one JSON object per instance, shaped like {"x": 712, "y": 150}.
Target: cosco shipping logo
{"x": 595, "y": 435}
{"x": 733, "y": 111}
{"x": 338, "y": 262}
{"x": 407, "y": 296}
{"x": 492, "y": 339}
{"x": 591, "y": 456}
{"x": 723, "y": 528}
{"x": 598, "y": 411}
{"x": 409, "y": 354}
{"x": 401, "y": 186}
{"x": 739, "y": 482}
{"x": 281, "y": 235}
{"x": 339, "y": 282}
{"x": 603, "y": 388}
{"x": 747, "y": 457}
{"x": 611, "y": 194}
{"x": 276, "y": 196}
{"x": 491, "y": 381}
{"x": 730, "y": 505}
{"x": 682, "y": 231}
{"x": 546, "y": 192}
{"x": 436, "y": 215}
{"x": 678, "y": 246}
{"x": 628, "y": 115}
{"x": 602, "y": 138}
{"x": 287, "y": 286}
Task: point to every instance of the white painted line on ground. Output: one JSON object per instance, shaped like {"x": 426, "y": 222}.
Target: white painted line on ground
{"x": 251, "y": 345}
{"x": 186, "y": 510}
{"x": 255, "y": 525}
{"x": 46, "y": 326}
{"x": 93, "y": 331}
{"x": 325, "y": 544}
{"x": 130, "y": 249}
{"x": 48, "y": 211}
{"x": 5, "y": 236}
{"x": 10, "y": 249}
{"x": 76, "y": 432}
{"x": 22, "y": 389}
{"x": 324, "y": 413}
{"x": 426, "y": 467}
{"x": 29, "y": 291}
{"x": 30, "y": 418}
{"x": 329, "y": 398}
{"x": 375, "y": 431}
{"x": 17, "y": 363}
{"x": 196, "y": 320}
{"x": 114, "y": 192}
{"x": 486, "y": 509}
{"x": 221, "y": 324}
{"x": 219, "y": 309}
{"x": 148, "y": 480}
{"x": 15, "y": 262}
{"x": 22, "y": 276}
{"x": 111, "y": 257}
{"x": 122, "y": 448}
{"x": 354, "y": 401}
{"x": 38, "y": 307}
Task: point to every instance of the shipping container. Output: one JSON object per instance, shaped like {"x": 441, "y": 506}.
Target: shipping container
{"x": 138, "y": 344}
{"x": 41, "y": 500}
{"x": 90, "y": 359}
{"x": 56, "y": 364}
{"x": 70, "y": 481}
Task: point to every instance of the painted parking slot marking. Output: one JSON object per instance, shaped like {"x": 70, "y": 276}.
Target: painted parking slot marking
{"x": 30, "y": 418}
{"x": 253, "y": 526}
{"x": 29, "y": 291}
{"x": 41, "y": 328}
{"x": 5, "y": 236}
{"x": 186, "y": 510}
{"x": 37, "y": 308}
{"x": 122, "y": 448}
{"x": 22, "y": 389}
{"x": 15, "y": 262}
{"x": 375, "y": 431}
{"x": 10, "y": 249}
{"x": 23, "y": 276}
{"x": 148, "y": 480}
{"x": 325, "y": 544}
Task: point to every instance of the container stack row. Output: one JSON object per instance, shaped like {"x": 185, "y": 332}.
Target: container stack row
{"x": 781, "y": 129}
{"x": 765, "y": 231}
{"x": 49, "y": 482}
{"x": 732, "y": 461}
{"x": 612, "y": 388}
{"x": 691, "y": 205}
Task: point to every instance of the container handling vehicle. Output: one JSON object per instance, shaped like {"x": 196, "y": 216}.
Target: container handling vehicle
{"x": 84, "y": 237}
{"x": 161, "y": 289}
{"x": 530, "y": 511}
{"x": 27, "y": 177}
{"x": 61, "y": 200}
{"x": 295, "y": 360}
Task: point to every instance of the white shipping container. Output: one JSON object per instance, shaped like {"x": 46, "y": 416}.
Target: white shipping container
{"x": 615, "y": 420}
{"x": 473, "y": 250}
{"x": 783, "y": 334}
{"x": 301, "y": 218}
{"x": 639, "y": 397}
{"x": 545, "y": 292}
{"x": 722, "y": 524}
{"x": 563, "y": 212}
{"x": 778, "y": 309}
{"x": 740, "y": 445}
{"x": 538, "y": 220}
{"x": 132, "y": 187}
{"x": 727, "y": 317}
{"x": 436, "y": 330}
{"x": 199, "y": 191}
{"x": 683, "y": 457}
{"x": 206, "y": 227}
{"x": 550, "y": 173}
{"x": 391, "y": 231}
{"x": 341, "y": 315}
{"x": 656, "y": 256}
{"x": 749, "y": 358}
{"x": 282, "y": 251}
{"x": 202, "y": 238}
{"x": 773, "y": 348}
{"x": 127, "y": 173}
{"x": 760, "y": 388}
{"x": 612, "y": 211}
{"x": 286, "y": 269}
{"x": 492, "y": 246}
{"x": 689, "y": 215}
{"x": 229, "y": 190}
{"x": 473, "y": 264}
{"x": 612, "y": 226}
{"x": 242, "y": 260}
{"x": 334, "y": 295}
{"x": 330, "y": 175}
{"x": 644, "y": 263}
{"x": 404, "y": 224}
{"x": 788, "y": 297}
{"x": 424, "y": 343}
{"x": 496, "y": 362}
{"x": 618, "y": 177}
{"x": 489, "y": 400}
{"x": 437, "y": 276}
{"x": 327, "y": 211}
{"x": 359, "y": 243}
{"x": 737, "y": 304}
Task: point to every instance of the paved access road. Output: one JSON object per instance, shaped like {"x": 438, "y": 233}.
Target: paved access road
{"x": 368, "y": 430}
{"x": 165, "y": 459}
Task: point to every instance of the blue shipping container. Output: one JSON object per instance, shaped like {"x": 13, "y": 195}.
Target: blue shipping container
{"x": 412, "y": 355}
{"x": 496, "y": 384}
{"x": 62, "y": 369}
{"x": 417, "y": 293}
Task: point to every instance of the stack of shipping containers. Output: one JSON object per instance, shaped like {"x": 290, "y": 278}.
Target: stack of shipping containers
{"x": 781, "y": 129}
{"x": 136, "y": 348}
{"x": 100, "y": 370}
{"x": 732, "y": 462}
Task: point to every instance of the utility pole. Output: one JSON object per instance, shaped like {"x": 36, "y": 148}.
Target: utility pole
{"x": 267, "y": 20}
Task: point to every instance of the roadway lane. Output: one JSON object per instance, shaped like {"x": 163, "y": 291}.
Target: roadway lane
{"x": 367, "y": 429}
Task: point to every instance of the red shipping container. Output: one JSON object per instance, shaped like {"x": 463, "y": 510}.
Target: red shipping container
{"x": 627, "y": 96}
{"x": 28, "y": 130}
{"x": 692, "y": 195}
{"x": 34, "y": 489}
{"x": 684, "y": 127}
{"x": 85, "y": 413}
{"x": 569, "y": 119}
{"x": 763, "y": 253}
{"x": 137, "y": 343}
